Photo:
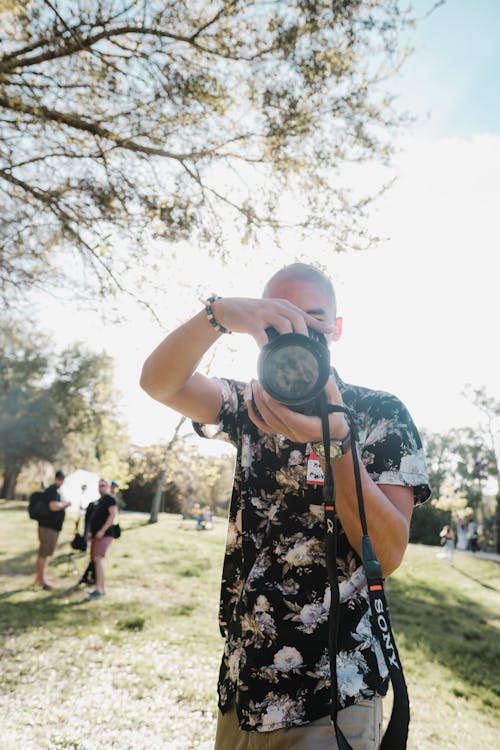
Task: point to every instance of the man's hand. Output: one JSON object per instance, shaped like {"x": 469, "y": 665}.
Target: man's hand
{"x": 253, "y": 316}
{"x": 277, "y": 419}
{"x": 99, "y": 535}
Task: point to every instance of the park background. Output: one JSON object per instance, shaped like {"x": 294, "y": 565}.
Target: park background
{"x": 418, "y": 306}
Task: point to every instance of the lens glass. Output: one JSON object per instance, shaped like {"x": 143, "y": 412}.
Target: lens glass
{"x": 292, "y": 371}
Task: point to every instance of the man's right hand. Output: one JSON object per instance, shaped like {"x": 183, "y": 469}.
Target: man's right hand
{"x": 169, "y": 374}
{"x": 253, "y": 316}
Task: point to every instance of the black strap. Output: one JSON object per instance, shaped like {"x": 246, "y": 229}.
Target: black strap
{"x": 396, "y": 735}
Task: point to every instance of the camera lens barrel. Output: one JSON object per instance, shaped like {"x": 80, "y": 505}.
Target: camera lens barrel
{"x": 294, "y": 368}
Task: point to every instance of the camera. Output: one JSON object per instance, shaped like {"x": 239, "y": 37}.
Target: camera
{"x": 294, "y": 369}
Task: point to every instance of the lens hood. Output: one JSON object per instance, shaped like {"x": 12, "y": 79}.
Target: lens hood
{"x": 294, "y": 368}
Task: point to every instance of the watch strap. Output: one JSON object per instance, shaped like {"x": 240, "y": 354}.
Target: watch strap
{"x": 338, "y": 447}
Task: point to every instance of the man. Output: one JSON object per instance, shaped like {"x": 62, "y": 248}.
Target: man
{"x": 48, "y": 529}
{"x": 102, "y": 518}
{"x": 274, "y": 682}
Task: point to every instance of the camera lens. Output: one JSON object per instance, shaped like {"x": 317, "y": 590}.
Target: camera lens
{"x": 294, "y": 368}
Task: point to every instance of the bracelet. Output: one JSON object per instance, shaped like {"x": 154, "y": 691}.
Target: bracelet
{"x": 211, "y": 316}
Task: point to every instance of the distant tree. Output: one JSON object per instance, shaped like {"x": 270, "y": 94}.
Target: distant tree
{"x": 440, "y": 454}
{"x": 86, "y": 404}
{"x": 55, "y": 408}
{"x": 187, "y": 477}
{"x": 427, "y": 522}
{"x": 119, "y": 116}
{"x": 160, "y": 479}
{"x": 144, "y": 464}
{"x": 487, "y": 455}
{"x": 26, "y": 409}
{"x": 475, "y": 463}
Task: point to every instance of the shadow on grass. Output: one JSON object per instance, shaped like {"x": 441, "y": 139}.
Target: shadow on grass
{"x": 50, "y": 609}
{"x": 24, "y": 563}
{"x": 448, "y": 628}
{"x": 29, "y": 608}
{"x": 476, "y": 580}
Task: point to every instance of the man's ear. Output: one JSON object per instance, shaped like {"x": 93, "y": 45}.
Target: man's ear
{"x": 337, "y": 333}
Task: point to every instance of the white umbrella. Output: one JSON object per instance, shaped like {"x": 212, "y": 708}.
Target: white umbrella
{"x": 80, "y": 488}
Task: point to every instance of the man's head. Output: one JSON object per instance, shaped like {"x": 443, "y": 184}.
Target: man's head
{"x": 103, "y": 486}
{"x": 59, "y": 477}
{"x": 309, "y": 289}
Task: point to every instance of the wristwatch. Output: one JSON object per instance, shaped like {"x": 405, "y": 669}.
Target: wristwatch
{"x": 338, "y": 448}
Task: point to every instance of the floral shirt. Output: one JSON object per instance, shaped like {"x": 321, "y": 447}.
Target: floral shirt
{"x": 275, "y": 595}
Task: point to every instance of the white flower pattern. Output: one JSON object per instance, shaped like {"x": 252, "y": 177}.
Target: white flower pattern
{"x": 275, "y": 595}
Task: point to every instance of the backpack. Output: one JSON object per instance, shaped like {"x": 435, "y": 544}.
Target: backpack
{"x": 37, "y": 506}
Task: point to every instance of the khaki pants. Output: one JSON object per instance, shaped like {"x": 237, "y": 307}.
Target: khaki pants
{"x": 361, "y": 725}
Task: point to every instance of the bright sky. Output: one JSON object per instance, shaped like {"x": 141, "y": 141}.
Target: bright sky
{"x": 418, "y": 309}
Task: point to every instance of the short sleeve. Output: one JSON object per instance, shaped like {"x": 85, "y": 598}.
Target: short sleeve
{"x": 392, "y": 449}
{"x": 233, "y": 402}
{"x": 51, "y": 494}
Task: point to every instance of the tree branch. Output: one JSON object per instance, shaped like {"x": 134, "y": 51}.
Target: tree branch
{"x": 76, "y": 122}
{"x": 11, "y": 63}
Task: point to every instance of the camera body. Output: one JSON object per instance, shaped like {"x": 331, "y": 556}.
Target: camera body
{"x": 294, "y": 369}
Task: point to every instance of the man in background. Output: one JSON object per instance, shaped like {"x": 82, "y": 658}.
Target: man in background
{"x": 48, "y": 529}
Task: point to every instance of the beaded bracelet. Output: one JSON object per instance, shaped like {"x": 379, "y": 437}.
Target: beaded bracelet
{"x": 211, "y": 316}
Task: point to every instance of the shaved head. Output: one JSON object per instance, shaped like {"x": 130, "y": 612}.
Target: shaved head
{"x": 308, "y": 274}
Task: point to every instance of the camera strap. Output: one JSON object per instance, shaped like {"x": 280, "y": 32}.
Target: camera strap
{"x": 396, "y": 734}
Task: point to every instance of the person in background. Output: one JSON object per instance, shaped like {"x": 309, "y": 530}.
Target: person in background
{"x": 88, "y": 577}
{"x": 102, "y": 518}
{"x": 462, "y": 536}
{"x": 473, "y": 536}
{"x": 447, "y": 537}
{"x": 49, "y": 528}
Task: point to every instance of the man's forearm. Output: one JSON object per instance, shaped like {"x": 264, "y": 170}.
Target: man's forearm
{"x": 388, "y": 525}
{"x": 56, "y": 505}
{"x": 171, "y": 364}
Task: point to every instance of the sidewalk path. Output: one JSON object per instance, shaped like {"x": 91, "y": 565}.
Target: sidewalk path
{"x": 492, "y": 556}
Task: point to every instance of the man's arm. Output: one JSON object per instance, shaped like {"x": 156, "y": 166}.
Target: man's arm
{"x": 53, "y": 503}
{"x": 169, "y": 373}
{"x": 59, "y": 504}
{"x": 388, "y": 511}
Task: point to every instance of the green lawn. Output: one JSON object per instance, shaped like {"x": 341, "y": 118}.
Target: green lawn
{"x": 138, "y": 669}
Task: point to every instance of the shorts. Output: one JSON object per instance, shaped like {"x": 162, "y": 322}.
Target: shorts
{"x": 361, "y": 725}
{"x": 99, "y": 547}
{"x": 48, "y": 540}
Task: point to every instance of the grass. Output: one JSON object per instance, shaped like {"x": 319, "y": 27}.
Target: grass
{"x": 138, "y": 669}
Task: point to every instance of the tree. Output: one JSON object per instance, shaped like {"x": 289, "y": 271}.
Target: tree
{"x": 187, "y": 477}
{"x": 160, "y": 479}
{"x": 55, "y": 408}
{"x": 127, "y": 118}
{"x": 487, "y": 460}
{"x": 440, "y": 454}
{"x": 460, "y": 463}
{"x": 86, "y": 403}
{"x": 26, "y": 417}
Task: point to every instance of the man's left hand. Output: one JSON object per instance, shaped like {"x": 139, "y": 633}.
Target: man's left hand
{"x": 277, "y": 419}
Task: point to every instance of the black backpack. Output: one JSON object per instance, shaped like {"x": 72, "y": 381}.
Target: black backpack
{"x": 37, "y": 507}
